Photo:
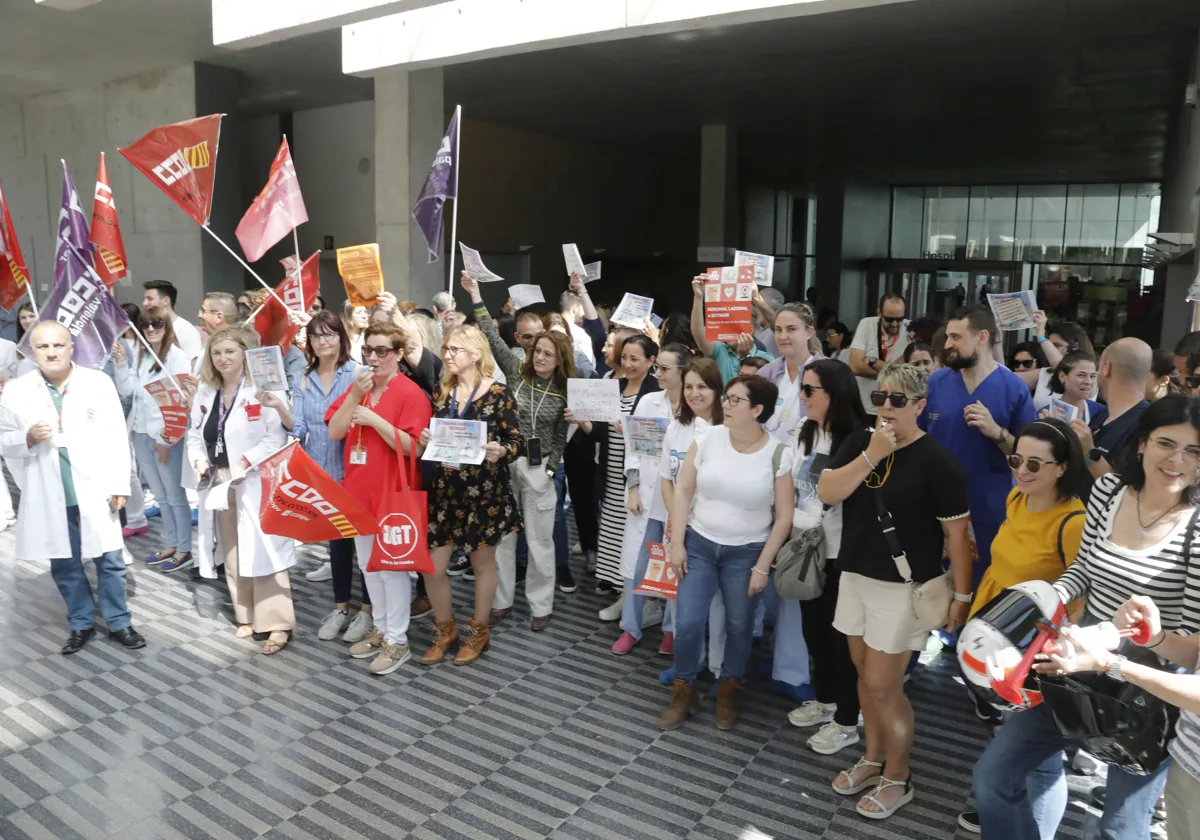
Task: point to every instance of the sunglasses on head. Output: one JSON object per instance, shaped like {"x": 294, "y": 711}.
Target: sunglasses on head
{"x": 895, "y": 320}
{"x": 1034, "y": 464}
{"x": 1024, "y": 364}
{"x": 152, "y": 325}
{"x": 878, "y": 398}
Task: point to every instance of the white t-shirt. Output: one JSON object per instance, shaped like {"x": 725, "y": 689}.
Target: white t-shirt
{"x": 582, "y": 342}
{"x": 188, "y": 337}
{"x": 806, "y": 471}
{"x": 735, "y": 492}
{"x": 866, "y": 339}
{"x": 675, "y": 448}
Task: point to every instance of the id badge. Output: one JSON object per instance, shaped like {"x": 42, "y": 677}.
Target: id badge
{"x": 533, "y": 451}
{"x": 358, "y": 456}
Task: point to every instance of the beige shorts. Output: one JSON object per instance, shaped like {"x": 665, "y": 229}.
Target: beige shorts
{"x": 880, "y": 612}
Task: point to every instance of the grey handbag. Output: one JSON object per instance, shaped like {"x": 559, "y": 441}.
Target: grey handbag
{"x": 800, "y": 565}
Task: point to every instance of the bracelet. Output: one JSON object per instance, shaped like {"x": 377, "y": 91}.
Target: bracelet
{"x": 964, "y": 599}
{"x": 755, "y": 569}
{"x": 1042, "y": 338}
{"x": 868, "y": 460}
{"x": 1162, "y": 638}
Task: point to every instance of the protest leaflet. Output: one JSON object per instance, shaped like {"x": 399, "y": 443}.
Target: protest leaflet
{"x": 265, "y": 366}
{"x": 574, "y": 261}
{"x": 764, "y": 266}
{"x": 173, "y": 405}
{"x": 594, "y": 400}
{"x": 456, "y": 441}
{"x": 593, "y": 272}
{"x": 727, "y": 308}
{"x": 633, "y": 311}
{"x": 1013, "y": 310}
{"x": 526, "y": 294}
{"x": 660, "y": 577}
{"x": 644, "y": 435}
{"x": 474, "y": 267}
{"x": 362, "y": 274}
{"x": 1062, "y": 410}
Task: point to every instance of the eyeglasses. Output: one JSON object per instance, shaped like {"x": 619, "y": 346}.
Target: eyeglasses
{"x": 878, "y": 398}
{"x": 1034, "y": 464}
{"x": 527, "y": 336}
{"x": 1166, "y": 448}
{"x": 324, "y": 336}
{"x": 807, "y": 390}
{"x": 381, "y": 352}
{"x": 895, "y": 320}
{"x": 452, "y": 351}
{"x": 204, "y": 311}
{"x": 734, "y": 399}
{"x": 151, "y": 325}
{"x": 1024, "y": 364}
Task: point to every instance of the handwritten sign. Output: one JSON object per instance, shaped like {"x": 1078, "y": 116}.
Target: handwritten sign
{"x": 594, "y": 400}
{"x": 660, "y": 577}
{"x": 727, "y": 309}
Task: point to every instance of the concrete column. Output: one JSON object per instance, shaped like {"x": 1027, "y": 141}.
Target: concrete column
{"x": 719, "y": 204}
{"x": 410, "y": 120}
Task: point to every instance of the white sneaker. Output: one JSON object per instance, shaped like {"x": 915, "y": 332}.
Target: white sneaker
{"x": 1085, "y": 764}
{"x": 652, "y": 612}
{"x": 359, "y": 628}
{"x": 812, "y": 713}
{"x": 322, "y": 572}
{"x": 833, "y": 737}
{"x": 613, "y": 611}
{"x": 334, "y": 625}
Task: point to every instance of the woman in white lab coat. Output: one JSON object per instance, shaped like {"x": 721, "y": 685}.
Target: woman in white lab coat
{"x": 230, "y": 431}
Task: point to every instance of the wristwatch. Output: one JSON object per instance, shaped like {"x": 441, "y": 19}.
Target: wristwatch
{"x": 1095, "y": 454}
{"x": 1114, "y": 668}
{"x": 871, "y": 360}
{"x": 964, "y": 599}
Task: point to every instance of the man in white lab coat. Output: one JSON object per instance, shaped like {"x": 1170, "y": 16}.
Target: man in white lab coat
{"x": 63, "y": 435}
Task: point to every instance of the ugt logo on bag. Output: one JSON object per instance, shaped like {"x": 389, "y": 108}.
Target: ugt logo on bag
{"x": 397, "y": 535}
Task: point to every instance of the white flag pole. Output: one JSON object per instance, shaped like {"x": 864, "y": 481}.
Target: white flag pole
{"x": 246, "y": 266}
{"x": 457, "y": 187}
{"x": 32, "y": 299}
{"x": 161, "y": 365}
{"x": 299, "y": 269}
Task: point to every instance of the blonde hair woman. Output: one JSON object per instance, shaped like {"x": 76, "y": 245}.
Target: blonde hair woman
{"x": 471, "y": 506}
{"x": 355, "y": 319}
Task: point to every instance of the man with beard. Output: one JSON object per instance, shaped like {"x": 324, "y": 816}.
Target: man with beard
{"x": 877, "y": 341}
{"x": 975, "y": 408}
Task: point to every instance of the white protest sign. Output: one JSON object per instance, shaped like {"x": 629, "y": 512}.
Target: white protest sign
{"x": 474, "y": 267}
{"x": 1064, "y": 411}
{"x": 644, "y": 435}
{"x": 526, "y": 294}
{"x": 1013, "y": 310}
{"x": 456, "y": 441}
{"x": 593, "y": 272}
{"x": 265, "y": 365}
{"x": 574, "y": 261}
{"x": 764, "y": 265}
{"x": 594, "y": 400}
{"x": 633, "y": 311}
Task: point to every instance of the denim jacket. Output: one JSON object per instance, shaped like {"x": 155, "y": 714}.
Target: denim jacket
{"x": 308, "y": 411}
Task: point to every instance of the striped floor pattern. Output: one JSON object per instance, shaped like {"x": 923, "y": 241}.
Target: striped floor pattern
{"x": 549, "y": 735}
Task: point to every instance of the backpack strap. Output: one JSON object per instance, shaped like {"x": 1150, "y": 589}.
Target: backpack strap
{"x": 1062, "y": 527}
{"x": 776, "y": 459}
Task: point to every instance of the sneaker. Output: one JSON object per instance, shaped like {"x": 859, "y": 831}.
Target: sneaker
{"x": 176, "y": 563}
{"x": 833, "y": 737}
{"x": 134, "y": 532}
{"x": 469, "y": 573}
{"x": 652, "y": 612}
{"x": 799, "y": 693}
{"x": 359, "y": 628}
{"x": 369, "y": 647}
{"x": 1085, "y": 764}
{"x": 625, "y": 644}
{"x": 812, "y": 713}
{"x": 154, "y": 559}
{"x": 613, "y": 611}
{"x": 605, "y": 588}
{"x": 420, "y": 606}
{"x": 322, "y": 572}
{"x": 566, "y": 580}
{"x": 458, "y": 564}
{"x": 667, "y": 646}
{"x": 151, "y": 510}
{"x": 334, "y": 625}
{"x": 968, "y": 821}
{"x": 389, "y": 659}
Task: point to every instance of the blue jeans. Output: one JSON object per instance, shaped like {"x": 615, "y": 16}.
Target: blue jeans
{"x": 166, "y": 483}
{"x": 72, "y": 582}
{"x": 790, "y": 656}
{"x": 712, "y": 567}
{"x": 1021, "y": 793}
{"x": 631, "y": 614}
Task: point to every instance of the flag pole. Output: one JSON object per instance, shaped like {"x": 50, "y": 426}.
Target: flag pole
{"x": 161, "y": 365}
{"x": 454, "y": 217}
{"x": 299, "y": 268}
{"x": 32, "y": 299}
{"x": 245, "y": 266}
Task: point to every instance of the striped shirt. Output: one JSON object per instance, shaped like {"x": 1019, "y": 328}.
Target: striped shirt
{"x": 1109, "y": 574}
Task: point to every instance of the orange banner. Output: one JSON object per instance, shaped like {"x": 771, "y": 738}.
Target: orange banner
{"x": 361, "y": 273}
{"x": 727, "y": 308}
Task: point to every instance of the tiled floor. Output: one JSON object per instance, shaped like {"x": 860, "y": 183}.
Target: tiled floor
{"x": 548, "y": 735}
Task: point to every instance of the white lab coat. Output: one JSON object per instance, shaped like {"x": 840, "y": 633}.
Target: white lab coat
{"x": 132, "y": 383}
{"x": 259, "y": 554}
{"x": 93, "y": 432}
{"x": 654, "y": 404}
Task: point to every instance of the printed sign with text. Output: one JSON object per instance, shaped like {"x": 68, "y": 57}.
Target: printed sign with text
{"x": 660, "y": 578}
{"x": 728, "y": 311}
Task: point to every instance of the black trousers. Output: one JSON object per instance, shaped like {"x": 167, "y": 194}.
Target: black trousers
{"x": 580, "y": 464}
{"x": 834, "y": 677}
{"x": 342, "y": 564}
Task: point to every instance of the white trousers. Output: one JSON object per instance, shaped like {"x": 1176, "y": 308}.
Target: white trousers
{"x": 391, "y": 595}
{"x": 535, "y": 493}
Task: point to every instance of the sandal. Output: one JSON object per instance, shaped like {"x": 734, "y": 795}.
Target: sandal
{"x": 873, "y": 797}
{"x": 870, "y": 781}
{"x": 245, "y": 631}
{"x": 273, "y": 645}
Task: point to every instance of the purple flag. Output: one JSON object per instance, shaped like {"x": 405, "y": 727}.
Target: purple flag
{"x": 72, "y": 224}
{"x": 440, "y": 184}
{"x": 81, "y": 302}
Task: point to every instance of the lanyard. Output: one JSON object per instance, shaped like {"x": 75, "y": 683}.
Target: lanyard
{"x": 62, "y": 399}
{"x": 366, "y": 403}
{"x": 533, "y": 419}
{"x": 222, "y": 411}
{"x": 466, "y": 406}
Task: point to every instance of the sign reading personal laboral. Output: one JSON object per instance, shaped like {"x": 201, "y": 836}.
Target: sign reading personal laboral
{"x": 727, "y": 308}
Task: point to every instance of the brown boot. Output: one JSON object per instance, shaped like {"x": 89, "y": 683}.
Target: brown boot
{"x": 727, "y": 709}
{"x": 684, "y": 702}
{"x": 445, "y": 633}
{"x": 477, "y": 641}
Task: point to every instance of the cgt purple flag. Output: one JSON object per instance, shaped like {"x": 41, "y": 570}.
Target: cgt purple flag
{"x": 72, "y": 224}
{"x": 440, "y": 184}
{"x": 81, "y": 302}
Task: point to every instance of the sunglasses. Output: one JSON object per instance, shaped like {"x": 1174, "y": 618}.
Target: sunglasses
{"x": 895, "y": 320}
{"x": 807, "y": 390}
{"x": 1034, "y": 464}
{"x": 1024, "y": 364}
{"x": 151, "y": 325}
{"x": 878, "y": 398}
{"x": 381, "y": 352}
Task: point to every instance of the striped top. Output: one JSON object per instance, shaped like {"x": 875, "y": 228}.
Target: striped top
{"x": 1109, "y": 574}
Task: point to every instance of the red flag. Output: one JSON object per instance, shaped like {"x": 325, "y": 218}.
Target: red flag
{"x": 276, "y": 211}
{"x": 300, "y": 501}
{"x": 14, "y": 276}
{"x": 106, "y": 231}
{"x": 181, "y": 159}
{"x": 272, "y": 322}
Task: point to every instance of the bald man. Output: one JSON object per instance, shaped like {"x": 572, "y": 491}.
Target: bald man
{"x": 63, "y": 435}
{"x": 1124, "y": 368}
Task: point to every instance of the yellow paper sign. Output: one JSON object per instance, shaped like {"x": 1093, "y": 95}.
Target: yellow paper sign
{"x": 362, "y": 275}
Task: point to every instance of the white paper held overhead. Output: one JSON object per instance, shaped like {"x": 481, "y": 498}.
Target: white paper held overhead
{"x": 474, "y": 267}
{"x": 526, "y": 294}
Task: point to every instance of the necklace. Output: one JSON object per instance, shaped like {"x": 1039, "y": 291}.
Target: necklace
{"x": 1154, "y": 521}
{"x": 879, "y": 481}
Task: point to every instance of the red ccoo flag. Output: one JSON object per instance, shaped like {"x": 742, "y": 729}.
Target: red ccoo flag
{"x": 181, "y": 159}
{"x": 272, "y": 322}
{"x": 14, "y": 276}
{"x": 106, "y": 231}
{"x": 300, "y": 501}
{"x": 277, "y": 210}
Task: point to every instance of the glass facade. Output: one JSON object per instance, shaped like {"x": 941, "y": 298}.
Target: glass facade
{"x": 782, "y": 223}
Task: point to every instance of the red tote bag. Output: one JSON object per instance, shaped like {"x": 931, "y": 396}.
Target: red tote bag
{"x": 402, "y": 544}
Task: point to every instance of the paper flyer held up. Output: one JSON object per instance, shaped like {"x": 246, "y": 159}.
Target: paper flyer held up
{"x": 362, "y": 273}
{"x": 660, "y": 578}
{"x": 764, "y": 265}
{"x": 644, "y": 435}
{"x": 474, "y": 267}
{"x": 594, "y": 400}
{"x": 728, "y": 292}
{"x": 172, "y": 404}
{"x": 633, "y": 311}
{"x": 456, "y": 441}
{"x": 1014, "y": 310}
{"x": 265, "y": 366}
{"x": 526, "y": 294}
{"x": 593, "y": 272}
{"x": 574, "y": 261}
{"x": 1061, "y": 410}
